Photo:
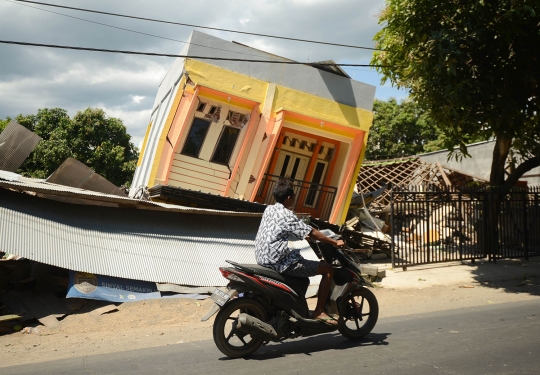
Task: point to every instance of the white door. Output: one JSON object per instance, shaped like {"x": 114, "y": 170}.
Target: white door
{"x": 291, "y": 165}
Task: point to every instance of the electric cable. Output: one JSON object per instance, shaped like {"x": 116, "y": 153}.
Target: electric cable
{"x": 199, "y": 26}
{"x": 289, "y": 62}
{"x": 124, "y": 29}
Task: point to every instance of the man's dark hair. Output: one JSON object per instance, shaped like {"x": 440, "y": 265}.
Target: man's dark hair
{"x": 283, "y": 189}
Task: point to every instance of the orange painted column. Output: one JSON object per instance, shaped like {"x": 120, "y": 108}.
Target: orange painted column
{"x": 179, "y": 128}
{"x": 332, "y": 165}
{"x": 273, "y": 163}
{"x": 246, "y": 145}
{"x": 276, "y": 129}
{"x": 347, "y": 187}
{"x": 275, "y": 151}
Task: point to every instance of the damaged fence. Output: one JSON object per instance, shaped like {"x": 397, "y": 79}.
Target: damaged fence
{"x": 430, "y": 225}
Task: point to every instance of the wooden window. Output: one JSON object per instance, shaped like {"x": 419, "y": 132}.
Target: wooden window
{"x": 225, "y": 145}
{"x": 237, "y": 119}
{"x": 196, "y": 137}
{"x": 201, "y": 106}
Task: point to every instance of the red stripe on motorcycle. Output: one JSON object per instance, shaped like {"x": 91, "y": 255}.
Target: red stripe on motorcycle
{"x": 277, "y": 284}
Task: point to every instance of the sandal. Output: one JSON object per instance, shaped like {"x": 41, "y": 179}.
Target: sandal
{"x": 328, "y": 320}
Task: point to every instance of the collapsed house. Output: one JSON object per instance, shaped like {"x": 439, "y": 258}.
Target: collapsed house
{"x": 231, "y": 128}
{"x": 368, "y": 225}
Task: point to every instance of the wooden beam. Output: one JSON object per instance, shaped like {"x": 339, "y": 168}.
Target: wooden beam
{"x": 444, "y": 176}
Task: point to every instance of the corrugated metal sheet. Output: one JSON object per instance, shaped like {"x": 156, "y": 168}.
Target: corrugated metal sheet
{"x": 157, "y": 246}
{"x": 16, "y": 143}
{"x": 48, "y": 190}
{"x": 75, "y": 174}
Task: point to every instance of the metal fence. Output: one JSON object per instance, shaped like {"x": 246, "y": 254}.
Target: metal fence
{"x": 430, "y": 226}
{"x": 313, "y": 199}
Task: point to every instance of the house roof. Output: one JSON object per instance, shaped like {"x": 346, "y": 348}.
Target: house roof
{"x": 44, "y": 189}
{"x": 165, "y": 246}
{"x": 187, "y": 197}
{"x": 157, "y": 246}
{"x": 333, "y": 85}
{"x": 406, "y": 172}
{"x": 331, "y": 67}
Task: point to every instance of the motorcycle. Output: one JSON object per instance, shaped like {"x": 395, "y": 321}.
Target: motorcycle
{"x": 261, "y": 305}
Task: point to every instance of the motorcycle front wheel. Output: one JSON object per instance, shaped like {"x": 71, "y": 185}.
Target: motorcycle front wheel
{"x": 359, "y": 314}
{"x": 231, "y": 341}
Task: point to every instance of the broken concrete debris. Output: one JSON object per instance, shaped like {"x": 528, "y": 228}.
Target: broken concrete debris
{"x": 31, "y": 330}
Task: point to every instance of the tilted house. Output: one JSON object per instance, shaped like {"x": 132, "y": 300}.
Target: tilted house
{"x": 231, "y": 128}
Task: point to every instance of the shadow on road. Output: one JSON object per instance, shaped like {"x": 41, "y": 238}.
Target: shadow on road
{"x": 310, "y": 345}
{"x": 514, "y": 276}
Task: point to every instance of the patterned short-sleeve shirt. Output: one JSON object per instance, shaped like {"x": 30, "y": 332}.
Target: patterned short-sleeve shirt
{"x": 272, "y": 241}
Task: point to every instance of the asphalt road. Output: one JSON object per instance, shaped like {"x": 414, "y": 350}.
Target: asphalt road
{"x": 493, "y": 339}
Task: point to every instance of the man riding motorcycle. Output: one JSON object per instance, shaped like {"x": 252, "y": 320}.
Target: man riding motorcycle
{"x": 272, "y": 248}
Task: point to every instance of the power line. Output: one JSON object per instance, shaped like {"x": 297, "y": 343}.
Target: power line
{"x": 200, "y": 27}
{"x": 124, "y": 29}
{"x": 289, "y": 62}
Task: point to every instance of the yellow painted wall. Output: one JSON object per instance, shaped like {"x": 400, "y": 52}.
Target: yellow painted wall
{"x": 285, "y": 98}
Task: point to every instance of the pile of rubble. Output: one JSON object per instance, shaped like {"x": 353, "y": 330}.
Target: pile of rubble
{"x": 369, "y": 221}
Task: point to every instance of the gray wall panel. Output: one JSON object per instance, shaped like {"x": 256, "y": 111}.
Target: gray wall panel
{"x": 170, "y": 247}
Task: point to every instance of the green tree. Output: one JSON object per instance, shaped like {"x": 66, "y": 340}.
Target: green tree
{"x": 4, "y": 123}
{"x": 91, "y": 137}
{"x": 399, "y": 129}
{"x": 474, "y": 66}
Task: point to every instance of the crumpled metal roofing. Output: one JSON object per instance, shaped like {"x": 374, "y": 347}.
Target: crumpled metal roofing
{"x": 16, "y": 143}
{"x": 45, "y": 189}
{"x": 176, "y": 247}
{"x": 76, "y": 174}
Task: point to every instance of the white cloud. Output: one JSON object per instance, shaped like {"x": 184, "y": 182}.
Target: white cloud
{"x": 125, "y": 85}
{"x": 137, "y": 98}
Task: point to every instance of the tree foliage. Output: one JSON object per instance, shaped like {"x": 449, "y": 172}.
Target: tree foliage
{"x": 474, "y": 66}
{"x": 400, "y": 129}
{"x": 91, "y": 137}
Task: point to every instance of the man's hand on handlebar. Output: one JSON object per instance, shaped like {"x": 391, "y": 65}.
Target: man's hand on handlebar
{"x": 317, "y": 235}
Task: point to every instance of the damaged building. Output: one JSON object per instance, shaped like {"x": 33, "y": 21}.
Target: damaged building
{"x": 230, "y": 129}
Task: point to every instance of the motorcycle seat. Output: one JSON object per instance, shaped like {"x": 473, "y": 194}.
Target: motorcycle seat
{"x": 291, "y": 281}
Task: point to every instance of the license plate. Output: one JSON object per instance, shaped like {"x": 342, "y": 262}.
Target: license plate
{"x": 220, "y": 297}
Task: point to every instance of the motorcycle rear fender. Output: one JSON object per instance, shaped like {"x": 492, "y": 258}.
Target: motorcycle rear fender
{"x": 215, "y": 307}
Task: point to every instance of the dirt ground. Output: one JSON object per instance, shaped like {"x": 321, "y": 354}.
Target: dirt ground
{"x": 177, "y": 321}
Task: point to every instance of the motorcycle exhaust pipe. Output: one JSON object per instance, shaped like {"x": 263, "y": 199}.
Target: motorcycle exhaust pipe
{"x": 255, "y": 327}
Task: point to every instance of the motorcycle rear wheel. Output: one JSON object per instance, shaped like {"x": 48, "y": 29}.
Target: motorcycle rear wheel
{"x": 231, "y": 341}
{"x": 359, "y": 314}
